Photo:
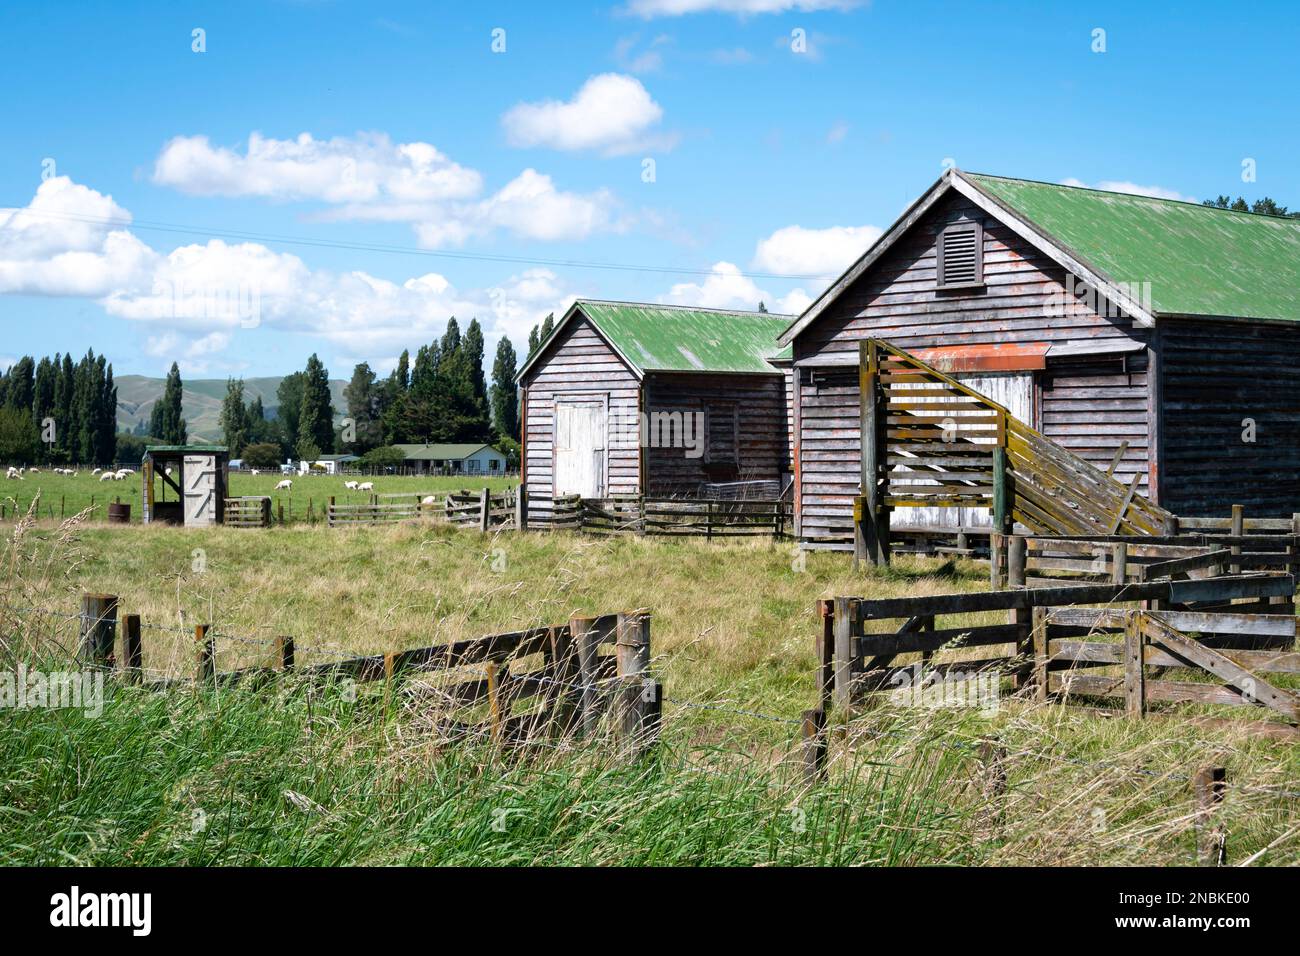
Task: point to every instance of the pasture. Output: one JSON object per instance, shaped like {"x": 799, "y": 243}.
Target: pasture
{"x": 65, "y": 495}
{"x": 303, "y": 777}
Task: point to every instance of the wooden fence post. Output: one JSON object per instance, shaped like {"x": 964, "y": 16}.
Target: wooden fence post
{"x": 813, "y": 746}
{"x": 1119, "y": 562}
{"x": 521, "y": 508}
{"x": 495, "y": 716}
{"x": 640, "y": 700}
{"x": 132, "y": 649}
{"x": 206, "y": 644}
{"x": 1210, "y": 784}
{"x": 484, "y": 510}
{"x": 871, "y": 521}
{"x": 1002, "y": 504}
{"x": 997, "y": 560}
{"x": 843, "y": 629}
{"x": 1038, "y": 621}
{"x": 586, "y": 640}
{"x": 565, "y": 671}
{"x": 826, "y": 657}
{"x": 1238, "y": 530}
{"x": 284, "y": 652}
{"x": 1134, "y": 675}
{"x": 1016, "y": 556}
{"x": 98, "y": 628}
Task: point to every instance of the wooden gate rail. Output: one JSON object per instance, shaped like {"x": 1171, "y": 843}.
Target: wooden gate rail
{"x": 669, "y": 517}
{"x": 1227, "y": 648}
{"x": 248, "y": 512}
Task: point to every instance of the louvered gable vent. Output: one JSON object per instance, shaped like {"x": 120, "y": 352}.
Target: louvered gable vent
{"x": 961, "y": 256}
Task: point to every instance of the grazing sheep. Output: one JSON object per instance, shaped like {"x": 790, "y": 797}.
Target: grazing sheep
{"x": 97, "y": 471}
{"x": 255, "y": 472}
{"x": 108, "y": 476}
{"x": 350, "y": 485}
{"x": 36, "y": 471}
{"x": 285, "y": 485}
{"x": 366, "y": 486}
{"x": 429, "y": 500}
{"x": 120, "y": 475}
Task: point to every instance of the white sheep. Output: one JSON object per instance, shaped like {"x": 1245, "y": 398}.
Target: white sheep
{"x": 36, "y": 471}
{"x": 429, "y": 500}
{"x": 255, "y": 473}
{"x": 97, "y": 471}
{"x": 350, "y": 485}
{"x": 366, "y": 486}
{"x": 108, "y": 476}
{"x": 120, "y": 475}
{"x": 285, "y": 485}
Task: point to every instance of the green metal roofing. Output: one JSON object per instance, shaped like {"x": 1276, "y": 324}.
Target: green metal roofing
{"x": 1198, "y": 260}
{"x": 675, "y": 338}
{"x": 443, "y": 452}
{"x": 176, "y": 449}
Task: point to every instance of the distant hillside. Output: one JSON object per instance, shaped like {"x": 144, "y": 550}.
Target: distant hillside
{"x": 200, "y": 401}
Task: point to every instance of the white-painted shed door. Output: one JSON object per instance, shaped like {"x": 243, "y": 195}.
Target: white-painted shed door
{"x": 580, "y": 449}
{"x": 1015, "y": 393}
{"x": 200, "y": 487}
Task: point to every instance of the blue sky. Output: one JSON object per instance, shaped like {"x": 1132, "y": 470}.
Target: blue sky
{"x": 147, "y": 191}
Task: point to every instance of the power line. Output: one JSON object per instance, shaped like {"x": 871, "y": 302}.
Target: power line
{"x": 171, "y": 227}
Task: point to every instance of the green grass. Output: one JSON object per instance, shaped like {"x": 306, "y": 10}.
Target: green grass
{"x": 62, "y": 496}
{"x": 733, "y": 628}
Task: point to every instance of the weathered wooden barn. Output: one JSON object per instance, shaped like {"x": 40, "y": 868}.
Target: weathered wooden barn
{"x": 1112, "y": 323}
{"x": 629, "y": 398}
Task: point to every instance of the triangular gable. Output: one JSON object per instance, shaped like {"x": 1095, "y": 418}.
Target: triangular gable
{"x": 952, "y": 181}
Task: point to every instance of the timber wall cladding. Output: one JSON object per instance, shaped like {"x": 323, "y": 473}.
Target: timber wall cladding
{"x": 581, "y": 367}
{"x": 746, "y": 419}
{"x": 1215, "y": 375}
{"x": 1097, "y": 406}
{"x": 1022, "y": 300}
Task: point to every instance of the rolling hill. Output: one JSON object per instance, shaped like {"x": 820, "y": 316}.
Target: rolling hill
{"x": 200, "y": 401}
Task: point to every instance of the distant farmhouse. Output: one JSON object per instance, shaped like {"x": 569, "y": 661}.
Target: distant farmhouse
{"x": 471, "y": 458}
{"x": 1162, "y": 332}
{"x": 628, "y": 398}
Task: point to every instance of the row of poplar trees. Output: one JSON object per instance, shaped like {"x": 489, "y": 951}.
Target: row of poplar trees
{"x": 56, "y": 412}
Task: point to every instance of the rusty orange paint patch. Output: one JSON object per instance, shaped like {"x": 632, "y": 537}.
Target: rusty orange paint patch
{"x": 1001, "y": 357}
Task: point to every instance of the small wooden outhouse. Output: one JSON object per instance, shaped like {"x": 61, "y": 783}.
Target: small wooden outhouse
{"x": 185, "y": 484}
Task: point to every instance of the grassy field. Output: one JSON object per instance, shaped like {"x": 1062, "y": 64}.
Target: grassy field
{"x": 64, "y": 495}
{"x": 306, "y": 778}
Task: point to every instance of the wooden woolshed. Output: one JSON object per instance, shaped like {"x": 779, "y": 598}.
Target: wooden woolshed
{"x": 185, "y": 484}
{"x": 628, "y": 398}
{"x": 1155, "y": 336}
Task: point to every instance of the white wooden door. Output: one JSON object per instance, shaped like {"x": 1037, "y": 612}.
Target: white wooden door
{"x": 580, "y": 449}
{"x": 200, "y": 487}
{"x": 1015, "y": 393}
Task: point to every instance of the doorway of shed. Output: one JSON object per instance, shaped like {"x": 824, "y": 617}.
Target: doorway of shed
{"x": 580, "y": 449}
{"x": 1014, "y": 392}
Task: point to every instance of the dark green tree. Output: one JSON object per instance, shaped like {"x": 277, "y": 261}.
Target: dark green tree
{"x": 505, "y": 395}
{"x": 234, "y": 418}
{"x": 316, "y": 420}
{"x": 289, "y": 395}
{"x": 166, "y": 422}
{"x": 362, "y": 396}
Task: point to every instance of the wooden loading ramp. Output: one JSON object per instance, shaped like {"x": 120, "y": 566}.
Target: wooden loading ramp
{"x": 930, "y": 441}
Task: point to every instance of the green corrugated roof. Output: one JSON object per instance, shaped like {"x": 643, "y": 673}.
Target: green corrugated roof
{"x": 1199, "y": 260}
{"x": 677, "y": 338}
{"x": 197, "y": 449}
{"x": 671, "y": 338}
{"x": 443, "y": 452}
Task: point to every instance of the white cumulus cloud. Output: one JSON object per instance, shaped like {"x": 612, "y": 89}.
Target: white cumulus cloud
{"x": 796, "y": 250}
{"x": 1135, "y": 189}
{"x": 726, "y": 287}
{"x": 366, "y": 168}
{"x": 612, "y": 113}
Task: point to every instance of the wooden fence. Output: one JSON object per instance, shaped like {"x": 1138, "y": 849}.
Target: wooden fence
{"x": 1020, "y": 560}
{"x": 248, "y": 512}
{"x": 863, "y": 640}
{"x": 485, "y": 510}
{"x": 542, "y": 681}
{"x": 669, "y": 517}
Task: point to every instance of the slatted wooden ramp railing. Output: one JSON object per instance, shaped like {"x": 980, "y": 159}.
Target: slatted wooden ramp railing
{"x": 930, "y": 441}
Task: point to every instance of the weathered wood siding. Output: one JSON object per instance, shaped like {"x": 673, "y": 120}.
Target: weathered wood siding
{"x": 1023, "y": 300}
{"x": 578, "y": 365}
{"x": 1093, "y": 407}
{"x": 747, "y": 422}
{"x": 1216, "y": 375}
